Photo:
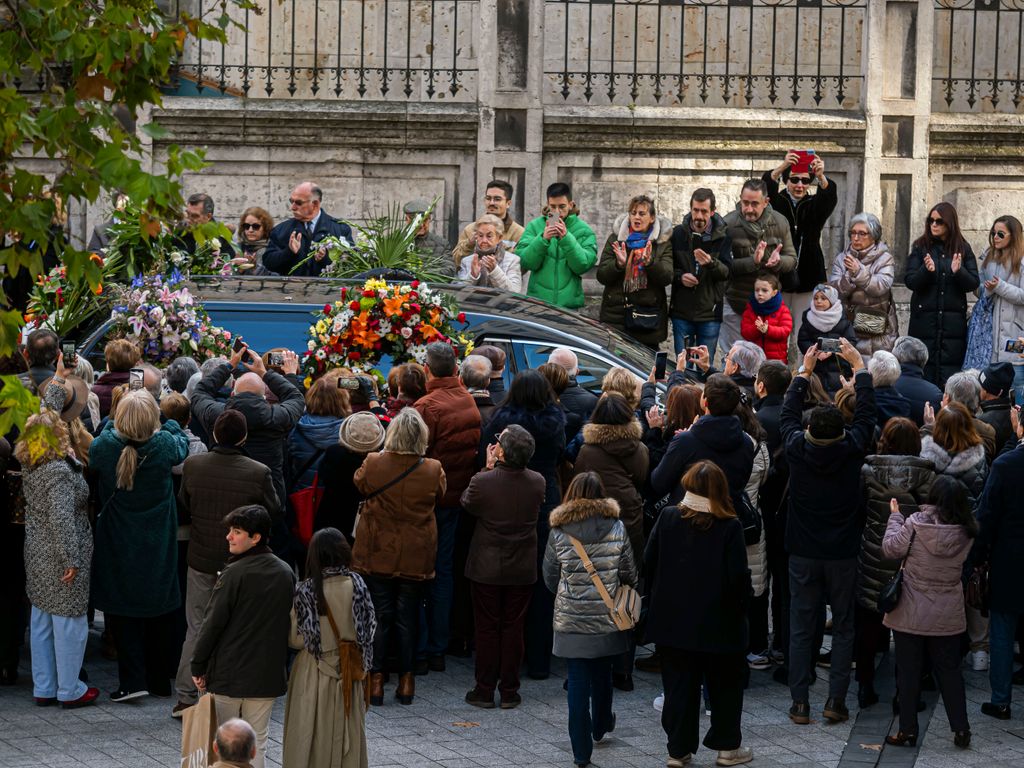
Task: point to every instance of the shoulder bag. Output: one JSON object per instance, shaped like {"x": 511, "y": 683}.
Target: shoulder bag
{"x": 306, "y": 503}
{"x": 871, "y": 321}
{"x": 640, "y": 319}
{"x": 889, "y": 596}
{"x": 379, "y": 491}
{"x": 624, "y": 608}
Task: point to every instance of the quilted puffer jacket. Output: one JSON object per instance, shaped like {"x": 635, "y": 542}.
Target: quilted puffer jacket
{"x": 757, "y": 554}
{"x": 579, "y": 608}
{"x": 905, "y": 478}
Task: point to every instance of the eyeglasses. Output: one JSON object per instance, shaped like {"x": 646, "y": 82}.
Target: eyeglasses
{"x": 494, "y": 199}
{"x": 255, "y": 226}
{"x": 801, "y": 180}
{"x": 998, "y": 235}
{"x": 936, "y": 222}
{"x": 293, "y": 201}
{"x": 858, "y": 233}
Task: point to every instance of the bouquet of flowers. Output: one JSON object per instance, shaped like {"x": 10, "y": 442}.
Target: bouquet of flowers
{"x": 62, "y": 304}
{"x": 161, "y": 316}
{"x": 397, "y": 320}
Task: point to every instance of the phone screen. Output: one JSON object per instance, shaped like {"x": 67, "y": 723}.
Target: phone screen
{"x": 239, "y": 343}
{"x": 70, "y": 356}
{"x": 135, "y": 378}
{"x": 660, "y": 361}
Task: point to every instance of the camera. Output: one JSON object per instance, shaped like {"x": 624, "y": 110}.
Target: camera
{"x": 828, "y": 345}
{"x": 348, "y": 382}
{"x": 136, "y": 377}
{"x": 70, "y": 355}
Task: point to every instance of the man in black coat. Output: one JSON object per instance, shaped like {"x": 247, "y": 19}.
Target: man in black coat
{"x": 1000, "y": 543}
{"x": 823, "y": 531}
{"x": 575, "y": 400}
{"x": 913, "y": 356}
{"x": 292, "y": 241}
{"x": 996, "y": 389}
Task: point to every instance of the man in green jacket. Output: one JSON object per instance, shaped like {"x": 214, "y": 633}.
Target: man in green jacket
{"x": 557, "y": 248}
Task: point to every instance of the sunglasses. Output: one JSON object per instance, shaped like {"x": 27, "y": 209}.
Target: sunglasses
{"x": 802, "y": 180}
{"x": 998, "y": 235}
{"x": 297, "y": 202}
{"x": 252, "y": 226}
{"x": 936, "y": 222}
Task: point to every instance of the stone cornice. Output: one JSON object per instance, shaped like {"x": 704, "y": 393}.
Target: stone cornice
{"x": 982, "y": 136}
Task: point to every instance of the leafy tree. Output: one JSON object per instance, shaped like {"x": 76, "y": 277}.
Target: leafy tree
{"x": 74, "y": 77}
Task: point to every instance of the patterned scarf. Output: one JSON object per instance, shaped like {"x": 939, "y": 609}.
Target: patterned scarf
{"x": 636, "y": 273}
{"x": 363, "y": 616}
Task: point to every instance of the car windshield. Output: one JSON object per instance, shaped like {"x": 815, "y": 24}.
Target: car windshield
{"x": 635, "y": 353}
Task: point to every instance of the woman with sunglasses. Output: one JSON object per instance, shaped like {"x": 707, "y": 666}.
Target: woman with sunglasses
{"x": 863, "y": 275}
{"x": 941, "y": 271}
{"x": 1002, "y": 298}
{"x": 252, "y": 237}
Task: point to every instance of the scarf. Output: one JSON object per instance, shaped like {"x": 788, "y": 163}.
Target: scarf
{"x": 636, "y": 273}
{"x": 829, "y": 319}
{"x": 822, "y": 441}
{"x": 308, "y": 617}
{"x": 769, "y": 307}
{"x": 696, "y": 503}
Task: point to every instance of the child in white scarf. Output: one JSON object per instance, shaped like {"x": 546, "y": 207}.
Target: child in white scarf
{"x": 825, "y": 319}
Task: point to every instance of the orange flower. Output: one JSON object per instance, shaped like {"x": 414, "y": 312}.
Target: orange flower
{"x": 360, "y": 330}
{"x": 95, "y": 257}
{"x": 98, "y": 289}
{"x": 393, "y": 306}
{"x": 428, "y": 332}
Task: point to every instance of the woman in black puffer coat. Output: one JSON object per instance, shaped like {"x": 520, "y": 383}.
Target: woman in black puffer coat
{"x": 896, "y": 471}
{"x": 941, "y": 271}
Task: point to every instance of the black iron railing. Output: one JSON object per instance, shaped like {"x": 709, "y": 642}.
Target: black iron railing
{"x": 752, "y": 53}
{"x": 977, "y": 57}
{"x": 417, "y": 50}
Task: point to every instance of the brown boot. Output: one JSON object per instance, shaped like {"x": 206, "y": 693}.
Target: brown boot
{"x": 406, "y": 688}
{"x": 376, "y": 689}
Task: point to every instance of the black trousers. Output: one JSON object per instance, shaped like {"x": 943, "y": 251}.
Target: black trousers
{"x": 682, "y": 673}
{"x": 870, "y": 637}
{"x": 145, "y": 652}
{"x": 397, "y": 605}
{"x": 757, "y": 620}
{"x": 944, "y": 655}
{"x": 778, "y": 567}
{"x": 14, "y": 605}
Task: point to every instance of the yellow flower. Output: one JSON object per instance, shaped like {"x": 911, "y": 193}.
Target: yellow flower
{"x": 374, "y": 284}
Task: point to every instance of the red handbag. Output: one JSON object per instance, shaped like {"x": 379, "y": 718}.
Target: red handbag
{"x": 305, "y": 504}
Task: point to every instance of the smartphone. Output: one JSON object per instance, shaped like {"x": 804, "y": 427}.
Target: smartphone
{"x": 803, "y": 165}
{"x": 660, "y": 361}
{"x": 135, "y": 378}
{"x": 1016, "y": 346}
{"x": 553, "y": 215}
{"x": 348, "y": 382}
{"x": 277, "y": 359}
{"x": 70, "y": 355}
{"x": 828, "y": 345}
{"x": 239, "y": 343}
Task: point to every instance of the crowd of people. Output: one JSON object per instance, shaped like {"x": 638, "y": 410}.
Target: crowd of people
{"x": 452, "y": 515}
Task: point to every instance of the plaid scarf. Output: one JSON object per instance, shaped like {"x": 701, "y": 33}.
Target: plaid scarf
{"x": 308, "y": 618}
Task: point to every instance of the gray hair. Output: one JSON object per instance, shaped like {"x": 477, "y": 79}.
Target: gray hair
{"x": 870, "y": 221}
{"x": 494, "y": 221}
{"x": 476, "y": 372}
{"x": 193, "y": 380}
{"x": 910, "y": 349}
{"x": 965, "y": 388}
{"x": 440, "y": 359}
{"x": 748, "y": 356}
{"x": 517, "y": 444}
{"x": 205, "y": 199}
{"x": 84, "y": 371}
{"x": 155, "y": 389}
{"x": 565, "y": 358}
{"x": 209, "y": 366}
{"x": 884, "y": 368}
{"x": 236, "y": 741}
{"x": 407, "y": 433}
{"x": 179, "y": 372}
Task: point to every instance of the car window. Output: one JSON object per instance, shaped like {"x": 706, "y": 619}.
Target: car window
{"x": 592, "y": 368}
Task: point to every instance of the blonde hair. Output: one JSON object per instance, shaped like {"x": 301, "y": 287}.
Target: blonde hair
{"x": 407, "y": 433}
{"x": 136, "y": 421}
{"x": 116, "y": 394}
{"x": 81, "y": 440}
{"x": 622, "y": 382}
{"x": 53, "y": 450}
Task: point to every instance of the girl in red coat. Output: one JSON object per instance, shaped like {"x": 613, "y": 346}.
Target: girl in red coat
{"x": 766, "y": 320}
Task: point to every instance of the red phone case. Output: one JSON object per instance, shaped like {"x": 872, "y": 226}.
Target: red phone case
{"x": 803, "y": 165}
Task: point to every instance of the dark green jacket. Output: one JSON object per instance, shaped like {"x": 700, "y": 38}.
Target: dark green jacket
{"x": 702, "y": 303}
{"x": 135, "y": 560}
{"x": 659, "y": 275}
{"x": 773, "y": 228}
{"x": 557, "y": 266}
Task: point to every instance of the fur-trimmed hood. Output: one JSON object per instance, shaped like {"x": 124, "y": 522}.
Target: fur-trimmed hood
{"x": 957, "y": 465}
{"x": 602, "y": 434}
{"x": 578, "y": 510}
{"x": 660, "y": 232}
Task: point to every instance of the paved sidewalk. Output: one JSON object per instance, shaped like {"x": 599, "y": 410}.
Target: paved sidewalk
{"x": 441, "y": 730}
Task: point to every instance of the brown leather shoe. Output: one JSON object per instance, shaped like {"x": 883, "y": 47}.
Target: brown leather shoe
{"x": 376, "y": 689}
{"x": 406, "y": 688}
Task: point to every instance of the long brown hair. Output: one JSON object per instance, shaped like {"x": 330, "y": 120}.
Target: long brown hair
{"x": 954, "y": 241}
{"x": 682, "y": 408}
{"x": 954, "y": 429}
{"x": 586, "y": 485}
{"x": 706, "y": 479}
{"x": 1012, "y": 255}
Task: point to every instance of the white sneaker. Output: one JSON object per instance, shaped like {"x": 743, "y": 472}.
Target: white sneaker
{"x": 735, "y": 756}
{"x": 678, "y": 762}
{"x": 979, "y": 661}
{"x": 759, "y": 660}
{"x": 659, "y": 702}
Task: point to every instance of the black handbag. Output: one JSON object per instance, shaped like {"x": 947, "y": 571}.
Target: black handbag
{"x": 750, "y": 518}
{"x": 889, "y": 595}
{"x": 641, "y": 319}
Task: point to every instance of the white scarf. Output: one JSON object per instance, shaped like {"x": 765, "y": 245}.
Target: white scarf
{"x": 825, "y": 321}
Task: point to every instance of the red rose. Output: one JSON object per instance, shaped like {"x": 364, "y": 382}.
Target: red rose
{"x": 369, "y": 294}
{"x": 414, "y": 284}
{"x": 376, "y": 345}
{"x": 462, "y": 317}
{"x": 343, "y": 292}
{"x": 327, "y": 309}
{"x": 354, "y": 354}
{"x": 354, "y": 306}
{"x": 414, "y": 307}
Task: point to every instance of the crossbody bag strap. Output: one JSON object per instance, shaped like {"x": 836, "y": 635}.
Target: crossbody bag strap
{"x": 309, "y": 464}
{"x": 592, "y": 571}
{"x": 913, "y": 534}
{"x": 398, "y": 479}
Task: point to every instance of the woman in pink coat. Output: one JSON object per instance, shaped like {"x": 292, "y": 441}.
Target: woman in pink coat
{"x": 929, "y": 617}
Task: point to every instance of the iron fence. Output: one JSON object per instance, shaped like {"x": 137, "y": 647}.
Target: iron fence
{"x": 738, "y": 53}
{"x": 977, "y": 59}
{"x": 418, "y": 50}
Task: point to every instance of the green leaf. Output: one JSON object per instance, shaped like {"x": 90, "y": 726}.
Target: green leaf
{"x": 154, "y": 130}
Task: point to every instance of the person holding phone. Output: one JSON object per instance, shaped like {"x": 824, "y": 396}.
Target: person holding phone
{"x": 701, "y": 258}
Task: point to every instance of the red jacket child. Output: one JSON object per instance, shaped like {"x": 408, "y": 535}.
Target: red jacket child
{"x": 766, "y": 320}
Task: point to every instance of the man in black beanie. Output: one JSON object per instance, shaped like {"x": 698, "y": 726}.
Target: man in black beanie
{"x": 996, "y": 399}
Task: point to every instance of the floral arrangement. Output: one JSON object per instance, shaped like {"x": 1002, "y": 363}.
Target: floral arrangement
{"x": 62, "y": 304}
{"x": 161, "y": 316}
{"x": 397, "y": 320}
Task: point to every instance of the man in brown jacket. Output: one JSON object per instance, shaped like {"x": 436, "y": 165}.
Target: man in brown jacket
{"x": 213, "y": 484}
{"x": 454, "y": 423}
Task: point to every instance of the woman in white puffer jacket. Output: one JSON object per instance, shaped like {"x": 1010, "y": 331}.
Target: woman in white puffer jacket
{"x": 757, "y": 554}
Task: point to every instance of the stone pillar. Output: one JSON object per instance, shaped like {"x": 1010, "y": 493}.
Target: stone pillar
{"x": 897, "y": 107}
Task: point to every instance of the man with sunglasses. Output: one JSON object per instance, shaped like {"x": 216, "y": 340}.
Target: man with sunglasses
{"x": 293, "y": 242}
{"x": 806, "y": 215}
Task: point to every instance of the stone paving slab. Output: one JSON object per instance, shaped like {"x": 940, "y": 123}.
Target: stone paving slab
{"x": 439, "y": 730}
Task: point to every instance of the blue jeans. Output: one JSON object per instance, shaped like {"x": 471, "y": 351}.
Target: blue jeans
{"x": 688, "y": 333}
{"x": 1002, "y": 630}
{"x": 58, "y": 647}
{"x": 1018, "y": 383}
{"x": 439, "y": 593}
{"x": 590, "y": 703}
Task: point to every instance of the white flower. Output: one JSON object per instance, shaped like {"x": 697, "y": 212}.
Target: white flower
{"x": 414, "y": 320}
{"x": 320, "y": 354}
{"x": 215, "y": 245}
{"x": 385, "y": 327}
{"x": 419, "y": 353}
{"x": 406, "y": 332}
{"x": 311, "y": 345}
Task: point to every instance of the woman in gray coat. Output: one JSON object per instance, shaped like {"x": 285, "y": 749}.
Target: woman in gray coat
{"x": 58, "y": 550}
{"x": 585, "y": 635}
